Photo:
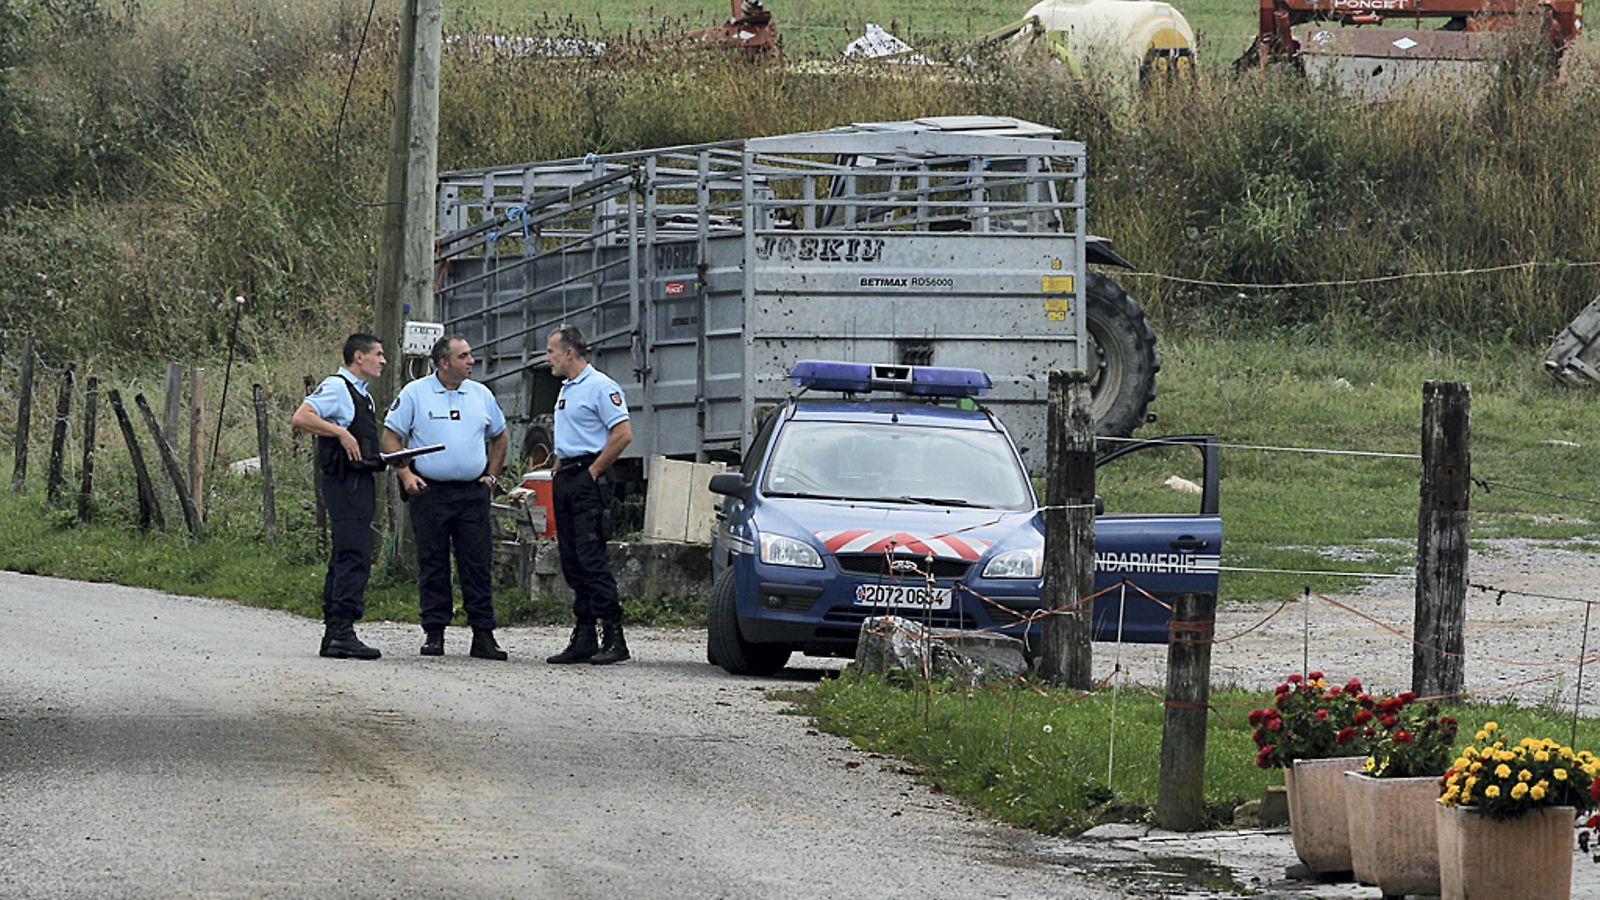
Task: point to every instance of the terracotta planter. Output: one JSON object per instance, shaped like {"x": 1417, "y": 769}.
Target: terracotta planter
{"x": 1393, "y": 836}
{"x": 1317, "y": 817}
{"x": 1529, "y": 858}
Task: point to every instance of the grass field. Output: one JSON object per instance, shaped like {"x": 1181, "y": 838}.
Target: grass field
{"x": 1223, "y": 28}
{"x": 1279, "y": 509}
{"x": 1032, "y": 759}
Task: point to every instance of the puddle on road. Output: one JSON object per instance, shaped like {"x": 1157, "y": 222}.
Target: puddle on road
{"x": 1166, "y": 875}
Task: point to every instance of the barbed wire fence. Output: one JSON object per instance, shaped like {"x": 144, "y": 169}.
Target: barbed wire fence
{"x": 1502, "y": 678}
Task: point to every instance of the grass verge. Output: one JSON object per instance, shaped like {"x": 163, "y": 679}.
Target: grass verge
{"x": 1041, "y": 761}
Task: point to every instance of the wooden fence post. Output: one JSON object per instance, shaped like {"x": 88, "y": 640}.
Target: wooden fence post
{"x": 269, "y": 505}
{"x": 295, "y": 435}
{"x": 91, "y": 408}
{"x": 1180, "y": 793}
{"x": 172, "y": 402}
{"x": 19, "y": 468}
{"x": 1068, "y": 532}
{"x": 149, "y": 507}
{"x": 58, "y": 437}
{"x": 169, "y": 462}
{"x": 197, "y": 413}
{"x": 1437, "y": 665}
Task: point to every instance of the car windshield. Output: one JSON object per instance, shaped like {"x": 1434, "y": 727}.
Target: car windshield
{"x": 900, "y": 463}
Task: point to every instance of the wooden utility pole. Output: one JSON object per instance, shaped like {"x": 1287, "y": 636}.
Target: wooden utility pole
{"x": 1068, "y": 532}
{"x": 1440, "y": 633}
{"x": 405, "y": 248}
{"x": 172, "y": 401}
{"x": 1180, "y": 793}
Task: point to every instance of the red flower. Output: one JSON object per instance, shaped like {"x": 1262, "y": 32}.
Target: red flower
{"x": 1594, "y": 822}
{"x": 1345, "y": 736}
{"x": 1594, "y": 789}
{"x": 1256, "y": 715}
{"x": 1294, "y": 679}
{"x": 1363, "y": 716}
{"x": 1276, "y": 724}
{"x": 1402, "y": 737}
{"x": 1315, "y": 676}
{"x": 1407, "y": 697}
{"x": 1386, "y": 720}
{"x": 1352, "y": 686}
{"x": 1321, "y": 714}
{"x": 1447, "y": 721}
{"x": 1333, "y": 691}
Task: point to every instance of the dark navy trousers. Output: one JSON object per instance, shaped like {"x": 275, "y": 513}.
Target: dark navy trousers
{"x": 349, "y": 500}
{"x": 446, "y": 515}
{"x": 581, "y": 536}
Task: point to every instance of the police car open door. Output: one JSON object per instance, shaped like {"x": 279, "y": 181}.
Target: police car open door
{"x": 1159, "y": 536}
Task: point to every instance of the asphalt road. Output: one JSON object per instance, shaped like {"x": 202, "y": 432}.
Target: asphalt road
{"x": 153, "y": 745}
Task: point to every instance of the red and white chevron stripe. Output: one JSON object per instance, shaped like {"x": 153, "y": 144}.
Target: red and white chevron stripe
{"x": 859, "y": 540}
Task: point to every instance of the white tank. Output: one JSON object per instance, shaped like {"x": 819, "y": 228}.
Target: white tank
{"x": 1129, "y": 38}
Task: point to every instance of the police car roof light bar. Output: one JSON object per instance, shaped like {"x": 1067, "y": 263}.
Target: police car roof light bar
{"x": 860, "y": 378}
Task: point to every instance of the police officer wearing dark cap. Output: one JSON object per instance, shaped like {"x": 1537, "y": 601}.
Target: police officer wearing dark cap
{"x": 340, "y": 414}
{"x": 592, "y": 428}
{"x": 448, "y": 491}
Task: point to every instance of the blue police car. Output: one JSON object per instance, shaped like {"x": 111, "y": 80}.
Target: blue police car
{"x": 881, "y": 490}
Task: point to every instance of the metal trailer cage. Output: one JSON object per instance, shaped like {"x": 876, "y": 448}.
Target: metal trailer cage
{"x": 702, "y": 273}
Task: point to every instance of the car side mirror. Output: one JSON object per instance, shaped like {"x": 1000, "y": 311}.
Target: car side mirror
{"x": 729, "y": 484}
{"x": 1099, "y": 505}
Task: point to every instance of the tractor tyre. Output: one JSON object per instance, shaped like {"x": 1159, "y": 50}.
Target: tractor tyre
{"x": 1123, "y": 358}
{"x": 726, "y": 645}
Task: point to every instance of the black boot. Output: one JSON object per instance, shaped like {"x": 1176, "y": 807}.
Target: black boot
{"x": 484, "y": 646}
{"x": 339, "y": 641}
{"x": 433, "y": 644}
{"x": 613, "y": 646}
{"x": 581, "y": 647}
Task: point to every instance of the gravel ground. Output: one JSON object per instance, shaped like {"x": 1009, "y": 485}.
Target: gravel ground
{"x": 1517, "y": 647}
{"x": 157, "y": 745}
{"x": 161, "y": 746}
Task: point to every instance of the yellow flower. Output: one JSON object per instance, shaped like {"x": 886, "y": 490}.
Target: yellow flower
{"x": 1504, "y": 755}
{"x": 1372, "y": 763}
{"x": 1519, "y": 791}
{"x": 1461, "y": 763}
{"x": 1472, "y": 782}
{"x": 1489, "y": 726}
{"x": 1477, "y": 767}
{"x": 1560, "y": 774}
{"x": 1541, "y": 756}
{"x": 1481, "y": 736}
{"x": 1536, "y": 794}
{"x": 1502, "y": 771}
{"x": 1492, "y": 791}
{"x": 1564, "y": 753}
{"x": 1524, "y": 775}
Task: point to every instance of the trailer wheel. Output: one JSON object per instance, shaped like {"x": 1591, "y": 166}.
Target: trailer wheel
{"x": 726, "y": 645}
{"x": 1124, "y": 357}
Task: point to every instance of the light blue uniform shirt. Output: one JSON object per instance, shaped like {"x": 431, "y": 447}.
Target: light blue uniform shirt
{"x": 462, "y": 420}
{"x": 331, "y": 399}
{"x": 587, "y": 408}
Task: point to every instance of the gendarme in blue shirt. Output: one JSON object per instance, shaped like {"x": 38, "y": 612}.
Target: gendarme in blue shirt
{"x": 331, "y": 399}
{"x": 462, "y": 420}
{"x": 587, "y": 408}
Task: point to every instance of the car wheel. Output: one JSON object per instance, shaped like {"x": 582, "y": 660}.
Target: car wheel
{"x": 726, "y": 645}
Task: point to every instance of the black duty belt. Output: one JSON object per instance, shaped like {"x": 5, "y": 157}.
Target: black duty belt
{"x": 585, "y": 460}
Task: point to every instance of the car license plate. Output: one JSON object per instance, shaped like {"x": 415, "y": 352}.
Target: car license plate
{"x": 914, "y": 596}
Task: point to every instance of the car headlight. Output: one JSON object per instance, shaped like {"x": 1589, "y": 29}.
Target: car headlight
{"x": 1021, "y": 563}
{"x": 777, "y": 550}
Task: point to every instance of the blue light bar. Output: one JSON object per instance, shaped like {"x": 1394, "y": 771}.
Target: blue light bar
{"x": 860, "y": 378}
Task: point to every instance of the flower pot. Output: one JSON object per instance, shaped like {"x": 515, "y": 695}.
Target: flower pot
{"x": 1317, "y": 817}
{"x": 1529, "y": 857}
{"x": 1393, "y": 835}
